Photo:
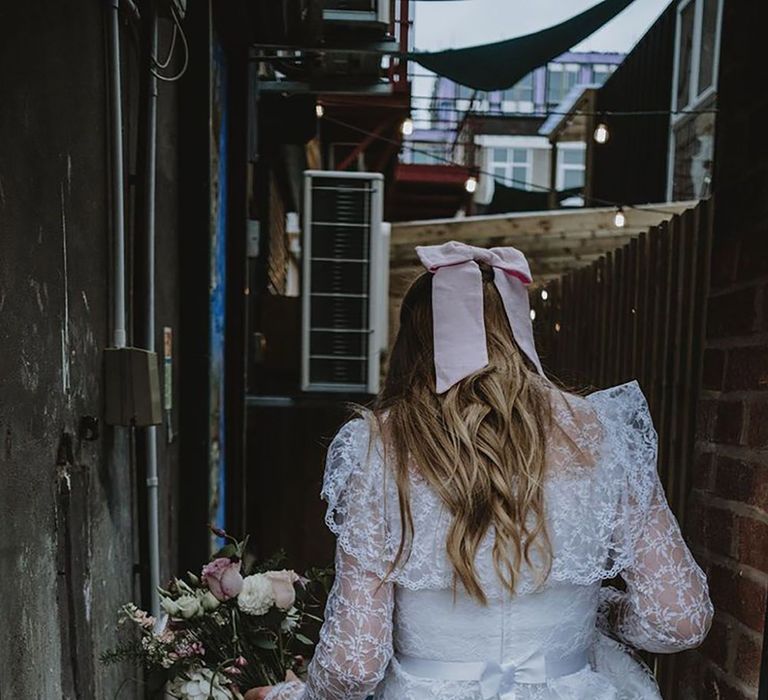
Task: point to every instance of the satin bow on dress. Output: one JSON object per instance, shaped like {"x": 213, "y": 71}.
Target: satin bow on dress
{"x": 498, "y": 681}
{"x": 457, "y": 306}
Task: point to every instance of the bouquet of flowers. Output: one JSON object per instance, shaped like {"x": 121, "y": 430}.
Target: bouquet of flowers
{"x": 228, "y": 629}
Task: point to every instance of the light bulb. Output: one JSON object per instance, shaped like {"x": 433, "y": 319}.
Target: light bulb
{"x": 557, "y": 328}
{"x": 601, "y": 134}
{"x": 544, "y": 295}
{"x": 620, "y": 220}
{"x": 319, "y": 111}
{"x": 471, "y": 184}
{"x": 406, "y": 128}
{"x": 533, "y": 314}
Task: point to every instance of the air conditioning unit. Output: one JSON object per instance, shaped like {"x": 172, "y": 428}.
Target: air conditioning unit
{"x": 357, "y": 11}
{"x": 345, "y": 275}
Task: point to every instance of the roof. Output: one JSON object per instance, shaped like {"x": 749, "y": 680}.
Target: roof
{"x": 614, "y": 57}
{"x": 570, "y": 121}
{"x": 569, "y": 104}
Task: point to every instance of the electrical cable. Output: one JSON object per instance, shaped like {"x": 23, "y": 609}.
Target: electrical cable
{"x": 167, "y": 61}
{"x": 471, "y": 171}
{"x": 183, "y": 70}
{"x": 555, "y": 112}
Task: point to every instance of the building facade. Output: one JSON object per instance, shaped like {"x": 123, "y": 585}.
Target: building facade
{"x": 659, "y": 108}
{"x": 498, "y": 133}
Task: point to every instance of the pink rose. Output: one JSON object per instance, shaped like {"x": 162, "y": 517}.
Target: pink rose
{"x": 223, "y": 578}
{"x": 282, "y": 587}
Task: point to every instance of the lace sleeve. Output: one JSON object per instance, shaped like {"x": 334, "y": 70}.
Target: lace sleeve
{"x": 355, "y": 641}
{"x": 356, "y": 638}
{"x": 358, "y": 496}
{"x": 666, "y": 607}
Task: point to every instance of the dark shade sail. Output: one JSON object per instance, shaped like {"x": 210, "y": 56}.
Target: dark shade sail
{"x": 503, "y": 64}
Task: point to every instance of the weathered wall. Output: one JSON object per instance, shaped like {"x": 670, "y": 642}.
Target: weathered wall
{"x": 68, "y": 531}
{"x": 729, "y": 524}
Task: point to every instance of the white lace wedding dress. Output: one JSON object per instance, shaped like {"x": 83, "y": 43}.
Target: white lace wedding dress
{"x": 412, "y": 638}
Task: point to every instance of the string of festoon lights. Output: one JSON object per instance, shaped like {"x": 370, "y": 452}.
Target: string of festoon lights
{"x": 601, "y": 136}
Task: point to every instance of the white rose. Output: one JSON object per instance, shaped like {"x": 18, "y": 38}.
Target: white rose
{"x": 257, "y": 597}
{"x": 283, "y": 587}
{"x": 200, "y": 684}
{"x": 189, "y": 606}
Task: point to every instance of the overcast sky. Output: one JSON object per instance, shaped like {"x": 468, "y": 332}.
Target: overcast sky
{"x": 456, "y": 23}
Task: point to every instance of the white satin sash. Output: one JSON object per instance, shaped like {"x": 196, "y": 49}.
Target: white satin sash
{"x": 498, "y": 680}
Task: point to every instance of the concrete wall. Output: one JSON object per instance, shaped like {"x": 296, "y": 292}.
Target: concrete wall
{"x": 69, "y": 517}
{"x": 729, "y": 509}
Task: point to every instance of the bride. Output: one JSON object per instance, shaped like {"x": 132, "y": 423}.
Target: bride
{"x": 478, "y": 510}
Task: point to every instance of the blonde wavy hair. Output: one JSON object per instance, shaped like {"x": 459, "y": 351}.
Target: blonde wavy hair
{"x": 481, "y": 445}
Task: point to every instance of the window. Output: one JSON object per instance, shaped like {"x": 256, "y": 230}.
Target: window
{"x": 444, "y": 112}
{"x": 694, "y": 89}
{"x": 464, "y": 101}
{"x": 425, "y": 153}
{"x": 428, "y": 155}
{"x": 463, "y": 92}
{"x": 570, "y": 167}
{"x": 684, "y": 55}
{"x": 709, "y": 25}
{"x": 512, "y": 166}
{"x": 698, "y": 39}
{"x": 561, "y": 77}
{"x": 520, "y": 98}
{"x": 601, "y": 72}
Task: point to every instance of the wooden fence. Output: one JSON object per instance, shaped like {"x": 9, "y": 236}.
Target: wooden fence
{"x": 638, "y": 313}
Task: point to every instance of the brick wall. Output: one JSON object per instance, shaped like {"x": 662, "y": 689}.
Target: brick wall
{"x": 728, "y": 526}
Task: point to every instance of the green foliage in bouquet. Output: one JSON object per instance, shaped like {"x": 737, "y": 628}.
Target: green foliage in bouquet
{"x": 232, "y": 628}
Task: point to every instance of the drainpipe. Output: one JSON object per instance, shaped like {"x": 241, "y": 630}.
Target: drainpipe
{"x": 119, "y": 338}
{"x": 118, "y": 202}
{"x": 153, "y": 526}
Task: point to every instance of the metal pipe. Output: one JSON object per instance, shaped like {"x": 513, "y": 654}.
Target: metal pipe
{"x": 118, "y": 203}
{"x": 153, "y": 524}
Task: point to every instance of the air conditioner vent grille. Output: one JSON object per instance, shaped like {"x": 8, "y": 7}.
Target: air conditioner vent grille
{"x": 342, "y": 225}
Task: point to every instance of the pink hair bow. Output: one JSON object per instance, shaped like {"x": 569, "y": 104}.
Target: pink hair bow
{"x": 457, "y": 306}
